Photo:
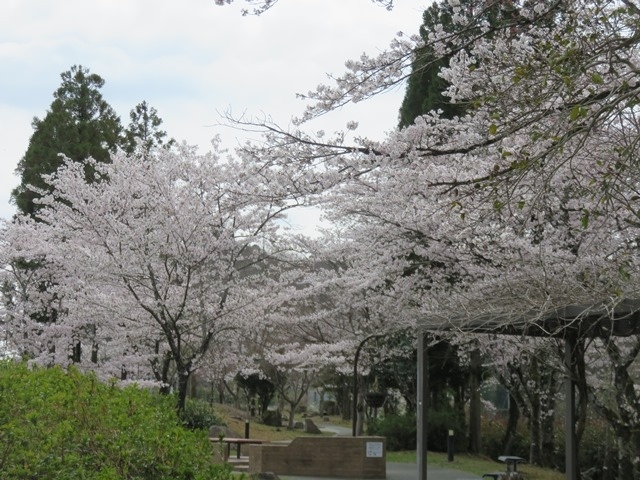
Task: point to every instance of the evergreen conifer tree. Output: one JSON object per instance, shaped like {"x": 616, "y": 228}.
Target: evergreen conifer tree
{"x": 424, "y": 86}
{"x": 143, "y": 133}
{"x": 78, "y": 124}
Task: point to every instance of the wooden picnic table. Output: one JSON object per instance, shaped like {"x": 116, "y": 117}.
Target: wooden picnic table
{"x": 238, "y": 442}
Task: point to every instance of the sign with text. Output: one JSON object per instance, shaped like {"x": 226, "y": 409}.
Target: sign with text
{"x": 374, "y": 449}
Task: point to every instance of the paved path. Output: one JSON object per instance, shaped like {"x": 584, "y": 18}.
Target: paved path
{"x": 336, "y": 429}
{"x": 406, "y": 471}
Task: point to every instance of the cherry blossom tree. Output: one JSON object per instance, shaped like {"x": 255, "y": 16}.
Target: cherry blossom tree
{"x": 518, "y": 181}
{"x": 523, "y": 205}
{"x": 151, "y": 265}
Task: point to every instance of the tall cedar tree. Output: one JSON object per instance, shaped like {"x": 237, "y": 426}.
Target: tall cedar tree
{"x": 79, "y": 124}
{"x": 425, "y": 88}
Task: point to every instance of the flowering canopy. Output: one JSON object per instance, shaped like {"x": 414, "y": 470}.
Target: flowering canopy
{"x": 524, "y": 203}
{"x": 147, "y": 266}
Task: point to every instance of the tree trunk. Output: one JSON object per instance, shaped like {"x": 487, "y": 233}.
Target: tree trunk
{"x": 183, "y": 387}
{"x": 360, "y": 420}
{"x": 221, "y": 389}
{"x": 193, "y": 386}
{"x": 512, "y": 426}
{"x": 76, "y": 352}
{"x": 535, "y": 451}
{"x": 292, "y": 412}
{"x": 94, "y": 353}
{"x": 475, "y": 378}
{"x": 344, "y": 403}
{"x": 583, "y": 388}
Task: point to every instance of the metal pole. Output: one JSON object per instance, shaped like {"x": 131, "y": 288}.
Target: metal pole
{"x": 570, "y": 444}
{"x": 423, "y": 372}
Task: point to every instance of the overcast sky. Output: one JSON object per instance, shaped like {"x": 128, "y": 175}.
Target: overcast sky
{"x": 189, "y": 59}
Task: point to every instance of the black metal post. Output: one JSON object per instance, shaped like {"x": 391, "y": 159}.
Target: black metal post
{"x": 571, "y": 448}
{"x": 423, "y": 386}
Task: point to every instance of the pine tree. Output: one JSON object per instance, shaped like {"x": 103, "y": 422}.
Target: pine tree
{"x": 78, "y": 124}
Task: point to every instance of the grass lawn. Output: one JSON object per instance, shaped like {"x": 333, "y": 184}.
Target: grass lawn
{"x": 235, "y": 419}
{"x": 474, "y": 464}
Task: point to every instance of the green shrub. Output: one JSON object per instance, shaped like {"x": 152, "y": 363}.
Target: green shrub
{"x": 440, "y": 422}
{"x": 272, "y": 418}
{"x": 199, "y": 415}
{"x": 67, "y": 425}
{"x": 399, "y": 430}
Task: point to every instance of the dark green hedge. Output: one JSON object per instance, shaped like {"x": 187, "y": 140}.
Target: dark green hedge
{"x": 400, "y": 431}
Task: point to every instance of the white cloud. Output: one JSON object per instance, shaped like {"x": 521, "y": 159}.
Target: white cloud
{"x": 189, "y": 59}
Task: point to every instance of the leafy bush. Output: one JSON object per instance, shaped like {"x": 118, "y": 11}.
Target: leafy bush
{"x": 400, "y": 431}
{"x": 272, "y": 418}
{"x": 199, "y": 415}
{"x": 68, "y": 425}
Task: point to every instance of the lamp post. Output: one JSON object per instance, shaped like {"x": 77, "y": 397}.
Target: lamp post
{"x": 355, "y": 381}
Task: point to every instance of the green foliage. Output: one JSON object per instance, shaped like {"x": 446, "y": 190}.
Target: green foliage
{"x": 257, "y": 389}
{"x": 79, "y": 124}
{"x": 399, "y": 430}
{"x": 397, "y": 370}
{"x": 440, "y": 422}
{"x": 143, "y": 133}
{"x": 199, "y": 415}
{"x": 493, "y": 432}
{"x": 597, "y": 452}
{"x": 425, "y": 86}
{"x": 272, "y": 418}
{"x": 64, "y": 424}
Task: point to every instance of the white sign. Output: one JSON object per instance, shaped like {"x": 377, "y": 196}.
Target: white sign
{"x": 374, "y": 449}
